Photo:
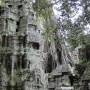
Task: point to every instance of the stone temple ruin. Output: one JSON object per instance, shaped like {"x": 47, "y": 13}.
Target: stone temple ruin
{"x": 20, "y": 43}
{"x": 25, "y": 64}
{"x": 59, "y": 68}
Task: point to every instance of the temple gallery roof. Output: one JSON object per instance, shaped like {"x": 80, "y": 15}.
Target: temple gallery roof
{"x": 60, "y": 69}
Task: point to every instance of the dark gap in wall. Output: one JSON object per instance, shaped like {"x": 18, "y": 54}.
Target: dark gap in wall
{"x": 1, "y": 10}
{"x": 24, "y": 61}
{"x": 35, "y": 45}
{"x": 21, "y": 61}
{"x": 71, "y": 80}
{"x": 1, "y": 58}
{"x": 18, "y": 61}
{"x": 10, "y": 6}
{"x": 18, "y": 23}
{"x": 24, "y": 40}
{"x": 59, "y": 56}
{"x": 8, "y": 63}
{"x": 49, "y": 64}
{"x": 19, "y": 6}
{"x": 3, "y": 40}
{"x": 38, "y": 80}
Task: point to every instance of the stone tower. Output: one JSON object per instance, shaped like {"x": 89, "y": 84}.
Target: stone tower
{"x": 21, "y": 46}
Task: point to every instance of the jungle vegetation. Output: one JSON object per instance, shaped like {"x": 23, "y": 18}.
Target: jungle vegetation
{"x": 73, "y": 20}
{"x": 73, "y": 25}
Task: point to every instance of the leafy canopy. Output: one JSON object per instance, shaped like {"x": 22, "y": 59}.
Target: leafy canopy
{"x": 44, "y": 10}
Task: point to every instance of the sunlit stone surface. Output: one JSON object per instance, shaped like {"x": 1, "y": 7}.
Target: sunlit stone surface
{"x": 25, "y": 63}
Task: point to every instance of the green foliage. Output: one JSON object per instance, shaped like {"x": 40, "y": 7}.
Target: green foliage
{"x": 49, "y": 33}
{"x": 87, "y": 40}
{"x": 80, "y": 68}
{"x": 75, "y": 30}
{"x": 66, "y": 6}
{"x": 1, "y": 2}
{"x": 75, "y": 36}
{"x": 42, "y": 9}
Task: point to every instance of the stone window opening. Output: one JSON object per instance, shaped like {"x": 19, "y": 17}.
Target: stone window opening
{"x": 35, "y": 45}
{"x": 19, "y": 6}
{"x": 10, "y": 6}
